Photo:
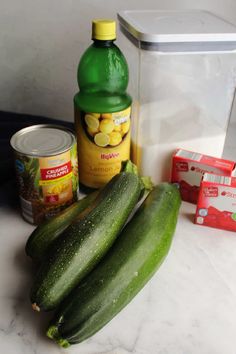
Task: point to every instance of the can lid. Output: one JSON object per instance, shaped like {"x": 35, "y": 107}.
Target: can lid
{"x": 103, "y": 29}
{"x": 198, "y": 28}
{"x": 42, "y": 140}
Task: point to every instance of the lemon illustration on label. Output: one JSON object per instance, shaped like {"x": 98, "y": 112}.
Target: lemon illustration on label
{"x": 96, "y": 115}
{"x": 107, "y": 116}
{"x": 106, "y": 126}
{"x": 117, "y": 128}
{"x": 115, "y": 138}
{"x": 91, "y": 132}
{"x": 92, "y": 123}
{"x": 102, "y": 139}
{"x": 125, "y": 126}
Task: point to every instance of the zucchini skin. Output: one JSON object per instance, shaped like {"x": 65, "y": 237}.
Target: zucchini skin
{"x": 85, "y": 241}
{"x": 46, "y": 233}
{"x": 134, "y": 258}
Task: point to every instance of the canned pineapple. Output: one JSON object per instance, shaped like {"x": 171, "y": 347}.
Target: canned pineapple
{"x": 47, "y": 170}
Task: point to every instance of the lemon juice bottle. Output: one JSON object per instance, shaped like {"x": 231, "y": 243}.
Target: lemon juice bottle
{"x": 102, "y": 108}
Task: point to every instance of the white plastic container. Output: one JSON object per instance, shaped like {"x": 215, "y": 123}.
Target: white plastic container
{"x": 182, "y": 80}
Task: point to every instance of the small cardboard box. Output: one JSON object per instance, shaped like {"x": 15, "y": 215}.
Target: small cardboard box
{"x": 188, "y": 168}
{"x": 216, "y": 205}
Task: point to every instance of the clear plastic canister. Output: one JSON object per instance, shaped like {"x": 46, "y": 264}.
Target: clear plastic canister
{"x": 182, "y": 79}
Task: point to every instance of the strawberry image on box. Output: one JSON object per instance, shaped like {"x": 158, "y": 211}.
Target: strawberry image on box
{"x": 216, "y": 205}
{"x": 188, "y": 168}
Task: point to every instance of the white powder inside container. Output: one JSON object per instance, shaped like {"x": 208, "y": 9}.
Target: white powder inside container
{"x": 170, "y": 124}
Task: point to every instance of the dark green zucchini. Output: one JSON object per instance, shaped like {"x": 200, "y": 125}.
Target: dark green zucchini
{"x": 84, "y": 242}
{"x": 46, "y": 233}
{"x": 135, "y": 256}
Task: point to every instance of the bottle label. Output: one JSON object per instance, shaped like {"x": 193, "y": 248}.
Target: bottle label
{"x": 103, "y": 143}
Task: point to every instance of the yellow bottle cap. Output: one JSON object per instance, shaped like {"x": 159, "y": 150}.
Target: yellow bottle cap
{"x": 104, "y": 30}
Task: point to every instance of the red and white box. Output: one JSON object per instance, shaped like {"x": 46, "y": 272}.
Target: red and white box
{"x": 216, "y": 205}
{"x": 188, "y": 168}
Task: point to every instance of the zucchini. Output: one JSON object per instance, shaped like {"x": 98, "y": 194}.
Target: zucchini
{"x": 135, "y": 256}
{"x": 46, "y": 233}
{"x": 85, "y": 241}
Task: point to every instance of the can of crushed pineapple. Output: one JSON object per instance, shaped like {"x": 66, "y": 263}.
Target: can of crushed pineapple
{"x": 47, "y": 170}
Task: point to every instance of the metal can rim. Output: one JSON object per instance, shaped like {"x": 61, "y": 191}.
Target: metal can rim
{"x": 38, "y": 127}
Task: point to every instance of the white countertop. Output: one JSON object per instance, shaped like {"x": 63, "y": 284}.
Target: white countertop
{"x": 189, "y": 306}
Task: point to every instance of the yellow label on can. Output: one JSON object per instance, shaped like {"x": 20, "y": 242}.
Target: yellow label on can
{"x": 56, "y": 182}
{"x": 47, "y": 185}
{"x": 103, "y": 143}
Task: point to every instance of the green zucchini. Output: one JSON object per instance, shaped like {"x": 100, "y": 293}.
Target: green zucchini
{"x": 46, "y": 233}
{"x": 84, "y": 242}
{"x": 135, "y": 256}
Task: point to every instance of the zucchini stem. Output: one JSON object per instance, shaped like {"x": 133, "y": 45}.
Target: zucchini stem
{"x": 35, "y": 307}
{"x": 53, "y": 334}
{"x": 146, "y": 182}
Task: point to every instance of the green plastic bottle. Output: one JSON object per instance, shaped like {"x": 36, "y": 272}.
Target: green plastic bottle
{"x": 102, "y": 108}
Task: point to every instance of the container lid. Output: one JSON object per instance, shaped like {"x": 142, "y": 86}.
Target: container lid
{"x": 42, "y": 140}
{"x": 190, "y": 29}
